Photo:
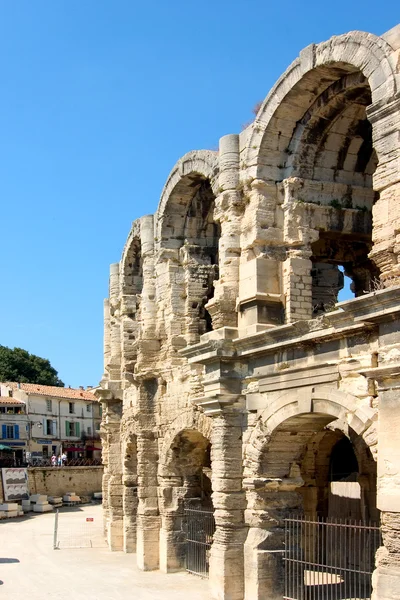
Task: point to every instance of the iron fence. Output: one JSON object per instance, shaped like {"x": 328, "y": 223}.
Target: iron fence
{"x": 73, "y": 462}
{"x": 329, "y": 559}
{"x": 78, "y": 530}
{"x": 200, "y": 528}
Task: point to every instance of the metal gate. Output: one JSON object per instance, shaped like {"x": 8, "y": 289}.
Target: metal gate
{"x": 329, "y": 559}
{"x": 200, "y": 527}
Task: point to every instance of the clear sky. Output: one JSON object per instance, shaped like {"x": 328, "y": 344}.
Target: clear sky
{"x": 98, "y": 101}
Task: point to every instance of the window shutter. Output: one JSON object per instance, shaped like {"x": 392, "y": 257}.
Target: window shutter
{"x": 16, "y": 432}
{"x": 4, "y": 431}
{"x": 44, "y": 428}
{"x": 54, "y": 429}
{"x": 67, "y": 428}
{"x": 77, "y": 429}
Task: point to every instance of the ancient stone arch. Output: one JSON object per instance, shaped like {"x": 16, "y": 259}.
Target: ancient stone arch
{"x": 194, "y": 166}
{"x": 131, "y": 270}
{"x": 342, "y": 54}
{"x": 190, "y": 419}
{"x": 334, "y": 406}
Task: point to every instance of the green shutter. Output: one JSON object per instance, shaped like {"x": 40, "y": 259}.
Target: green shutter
{"x": 67, "y": 428}
{"x": 77, "y": 429}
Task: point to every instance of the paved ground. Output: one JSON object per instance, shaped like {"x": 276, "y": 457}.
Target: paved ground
{"x": 31, "y": 569}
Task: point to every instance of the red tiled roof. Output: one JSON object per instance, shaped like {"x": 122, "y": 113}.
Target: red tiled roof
{"x": 9, "y": 400}
{"x": 51, "y": 390}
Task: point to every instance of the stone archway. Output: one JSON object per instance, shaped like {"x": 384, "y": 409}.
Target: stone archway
{"x": 287, "y": 471}
{"x": 188, "y": 236}
{"x": 184, "y": 476}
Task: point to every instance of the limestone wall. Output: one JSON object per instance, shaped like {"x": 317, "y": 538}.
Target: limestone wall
{"x": 54, "y": 481}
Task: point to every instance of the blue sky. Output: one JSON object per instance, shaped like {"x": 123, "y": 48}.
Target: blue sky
{"x": 98, "y": 101}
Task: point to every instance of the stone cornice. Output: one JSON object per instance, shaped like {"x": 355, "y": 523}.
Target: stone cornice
{"x": 213, "y": 406}
{"x": 382, "y": 373}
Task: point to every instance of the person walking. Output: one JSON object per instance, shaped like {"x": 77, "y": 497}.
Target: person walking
{"x": 53, "y": 460}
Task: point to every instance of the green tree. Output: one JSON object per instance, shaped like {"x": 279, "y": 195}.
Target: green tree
{"x": 18, "y": 365}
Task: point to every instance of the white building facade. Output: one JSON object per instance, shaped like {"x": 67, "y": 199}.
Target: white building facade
{"x": 39, "y": 421}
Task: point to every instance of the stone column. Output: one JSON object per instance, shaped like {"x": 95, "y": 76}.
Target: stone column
{"x": 385, "y": 120}
{"x": 106, "y": 340}
{"x": 112, "y": 483}
{"x": 115, "y": 325}
{"x": 228, "y": 212}
{"x": 130, "y": 501}
{"x": 226, "y": 560}
{"x": 172, "y": 539}
{"x": 148, "y": 519}
{"x": 386, "y": 578}
{"x": 268, "y": 502}
{"x": 298, "y": 285}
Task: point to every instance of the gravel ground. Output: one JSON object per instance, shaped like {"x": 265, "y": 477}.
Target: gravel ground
{"x": 31, "y": 569}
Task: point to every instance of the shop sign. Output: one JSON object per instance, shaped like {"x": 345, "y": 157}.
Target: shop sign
{"x": 12, "y": 444}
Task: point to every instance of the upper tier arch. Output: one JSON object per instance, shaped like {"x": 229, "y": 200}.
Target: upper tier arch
{"x": 317, "y": 68}
{"x": 192, "y": 168}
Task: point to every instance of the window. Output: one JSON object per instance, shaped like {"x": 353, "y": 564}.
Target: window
{"x": 10, "y": 432}
{"x": 49, "y": 404}
{"x": 89, "y": 430}
{"x": 71, "y": 408}
{"x": 88, "y": 408}
{"x": 50, "y": 427}
{"x": 72, "y": 429}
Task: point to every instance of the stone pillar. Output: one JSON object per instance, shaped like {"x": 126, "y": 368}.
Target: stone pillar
{"x": 115, "y": 326}
{"x": 226, "y": 560}
{"x": 298, "y": 285}
{"x": 148, "y": 519}
{"x": 130, "y": 501}
{"x": 385, "y": 120}
{"x": 386, "y": 578}
{"x": 106, "y": 340}
{"x": 268, "y": 502}
{"x": 228, "y": 212}
{"x": 148, "y": 307}
{"x": 113, "y": 478}
{"x": 172, "y": 538}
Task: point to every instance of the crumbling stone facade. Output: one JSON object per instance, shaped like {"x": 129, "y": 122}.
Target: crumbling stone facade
{"x": 231, "y": 374}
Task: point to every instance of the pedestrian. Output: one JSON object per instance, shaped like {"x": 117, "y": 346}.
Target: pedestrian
{"x": 59, "y": 460}
{"x": 64, "y": 459}
{"x": 53, "y": 460}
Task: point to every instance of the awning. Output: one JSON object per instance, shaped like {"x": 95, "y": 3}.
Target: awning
{"x": 92, "y": 448}
{"x": 74, "y": 449}
{"x": 5, "y": 448}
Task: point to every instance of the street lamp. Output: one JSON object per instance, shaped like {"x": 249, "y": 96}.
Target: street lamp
{"x": 31, "y": 425}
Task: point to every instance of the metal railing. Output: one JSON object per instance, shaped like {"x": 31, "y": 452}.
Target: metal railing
{"x": 200, "y": 528}
{"x": 329, "y": 559}
{"x": 73, "y": 462}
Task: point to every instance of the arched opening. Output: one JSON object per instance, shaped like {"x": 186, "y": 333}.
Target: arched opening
{"x": 188, "y": 228}
{"x": 132, "y": 268}
{"x": 314, "y": 471}
{"x": 129, "y": 306}
{"x": 186, "y": 504}
{"x": 200, "y": 255}
{"x": 324, "y": 169}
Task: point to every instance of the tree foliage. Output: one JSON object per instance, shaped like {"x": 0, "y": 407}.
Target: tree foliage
{"x": 18, "y": 365}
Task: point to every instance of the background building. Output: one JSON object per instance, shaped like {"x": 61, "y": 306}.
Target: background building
{"x": 43, "y": 420}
